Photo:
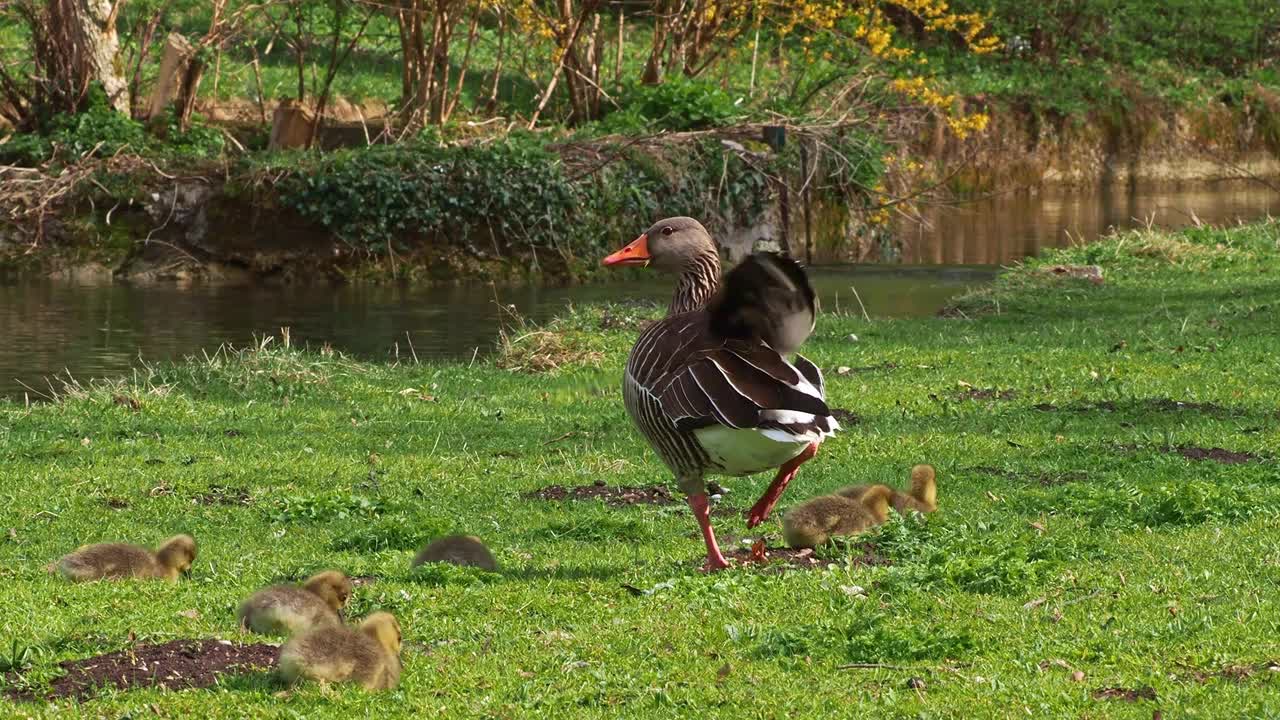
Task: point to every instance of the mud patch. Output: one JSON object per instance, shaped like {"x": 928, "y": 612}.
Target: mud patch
{"x": 1193, "y": 452}
{"x": 1125, "y": 694}
{"x": 175, "y": 665}
{"x": 1216, "y": 454}
{"x": 781, "y": 559}
{"x": 1047, "y": 479}
{"x": 1233, "y": 672}
{"x": 617, "y": 496}
{"x": 219, "y": 495}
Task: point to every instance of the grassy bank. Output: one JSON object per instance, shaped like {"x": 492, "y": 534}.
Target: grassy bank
{"x": 1077, "y": 531}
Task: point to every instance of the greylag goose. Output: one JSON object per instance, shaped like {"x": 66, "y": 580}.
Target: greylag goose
{"x": 709, "y": 385}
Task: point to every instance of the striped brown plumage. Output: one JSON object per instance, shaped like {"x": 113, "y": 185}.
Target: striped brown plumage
{"x": 708, "y": 385}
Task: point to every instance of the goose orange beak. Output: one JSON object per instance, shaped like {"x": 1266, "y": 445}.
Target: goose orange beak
{"x": 635, "y": 253}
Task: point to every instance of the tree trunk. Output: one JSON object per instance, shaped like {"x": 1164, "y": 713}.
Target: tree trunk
{"x": 94, "y": 29}
{"x": 653, "y": 66}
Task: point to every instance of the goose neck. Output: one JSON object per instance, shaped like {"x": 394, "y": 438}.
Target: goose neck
{"x": 698, "y": 281}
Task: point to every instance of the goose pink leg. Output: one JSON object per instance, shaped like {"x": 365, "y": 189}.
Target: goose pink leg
{"x": 760, "y": 511}
{"x": 702, "y": 513}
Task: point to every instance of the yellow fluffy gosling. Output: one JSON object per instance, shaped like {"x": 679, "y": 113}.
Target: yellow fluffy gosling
{"x": 118, "y": 561}
{"x": 814, "y": 522}
{"x": 923, "y": 496}
{"x": 369, "y": 655}
{"x": 287, "y": 609}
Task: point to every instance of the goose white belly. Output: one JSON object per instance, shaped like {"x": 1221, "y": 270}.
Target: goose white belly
{"x": 747, "y": 451}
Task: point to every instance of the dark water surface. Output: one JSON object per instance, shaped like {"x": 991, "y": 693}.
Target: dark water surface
{"x": 50, "y": 328}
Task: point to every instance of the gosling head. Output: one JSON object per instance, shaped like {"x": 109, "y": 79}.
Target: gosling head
{"x": 177, "y": 554}
{"x": 924, "y": 485}
{"x": 876, "y": 500}
{"x": 385, "y": 629}
{"x": 332, "y": 586}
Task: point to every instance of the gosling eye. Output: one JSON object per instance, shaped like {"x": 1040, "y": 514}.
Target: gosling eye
{"x": 667, "y": 230}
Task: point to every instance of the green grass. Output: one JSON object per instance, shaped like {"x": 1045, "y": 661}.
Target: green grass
{"x": 1067, "y": 538}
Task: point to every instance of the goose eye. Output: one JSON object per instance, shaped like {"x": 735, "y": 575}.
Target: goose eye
{"x": 666, "y": 230}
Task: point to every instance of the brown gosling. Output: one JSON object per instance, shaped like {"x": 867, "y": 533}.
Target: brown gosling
{"x": 288, "y": 609}
{"x": 923, "y": 496}
{"x": 814, "y": 522}
{"x": 368, "y": 655}
{"x": 119, "y": 561}
{"x": 464, "y": 550}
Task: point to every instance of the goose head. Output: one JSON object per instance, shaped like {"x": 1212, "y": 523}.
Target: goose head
{"x": 670, "y": 245}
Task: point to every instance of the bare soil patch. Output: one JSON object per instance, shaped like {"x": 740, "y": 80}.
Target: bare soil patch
{"x": 220, "y": 495}
{"x": 617, "y": 496}
{"x": 1125, "y": 694}
{"x": 1233, "y": 672}
{"x": 1216, "y": 454}
{"x": 1197, "y": 453}
{"x": 781, "y": 559}
{"x": 175, "y": 665}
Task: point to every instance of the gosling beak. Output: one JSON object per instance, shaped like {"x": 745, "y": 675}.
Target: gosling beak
{"x": 186, "y": 574}
{"x": 635, "y": 253}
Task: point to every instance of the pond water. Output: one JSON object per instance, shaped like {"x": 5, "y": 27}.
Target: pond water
{"x": 1003, "y": 229}
{"x": 50, "y": 328}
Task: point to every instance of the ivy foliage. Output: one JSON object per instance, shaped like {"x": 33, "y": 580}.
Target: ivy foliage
{"x": 100, "y": 131}
{"x": 516, "y": 193}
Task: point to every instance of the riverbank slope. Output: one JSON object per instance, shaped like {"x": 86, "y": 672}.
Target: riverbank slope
{"x": 1106, "y": 532}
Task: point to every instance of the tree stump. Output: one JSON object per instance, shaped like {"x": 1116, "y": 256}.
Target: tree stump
{"x": 173, "y": 67}
{"x": 291, "y": 125}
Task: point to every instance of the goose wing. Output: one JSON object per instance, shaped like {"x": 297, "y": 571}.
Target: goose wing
{"x": 701, "y": 379}
{"x": 766, "y": 298}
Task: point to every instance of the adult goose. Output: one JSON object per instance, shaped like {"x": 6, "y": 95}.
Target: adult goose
{"x": 709, "y": 385}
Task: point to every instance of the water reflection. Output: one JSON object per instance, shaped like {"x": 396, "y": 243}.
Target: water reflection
{"x": 1005, "y": 228}
{"x": 49, "y": 327}
{"x": 52, "y": 327}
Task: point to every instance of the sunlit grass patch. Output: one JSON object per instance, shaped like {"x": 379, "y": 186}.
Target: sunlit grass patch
{"x": 1107, "y": 491}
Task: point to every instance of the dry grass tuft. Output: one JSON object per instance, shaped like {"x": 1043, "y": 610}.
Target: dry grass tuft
{"x": 523, "y": 347}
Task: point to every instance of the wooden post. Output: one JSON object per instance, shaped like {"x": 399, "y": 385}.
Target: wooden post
{"x": 804, "y": 192}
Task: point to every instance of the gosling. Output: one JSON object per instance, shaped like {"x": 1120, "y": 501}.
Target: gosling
{"x": 923, "y": 496}
{"x": 119, "y": 561}
{"x": 464, "y": 550}
{"x": 288, "y": 609}
{"x": 369, "y": 655}
{"x": 816, "y": 521}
